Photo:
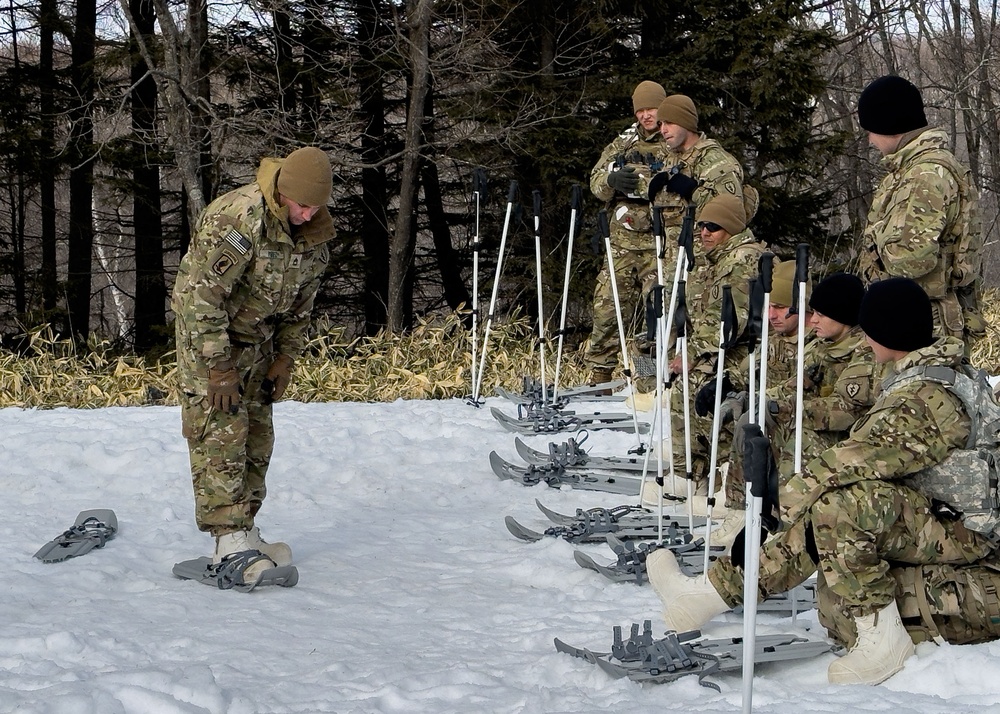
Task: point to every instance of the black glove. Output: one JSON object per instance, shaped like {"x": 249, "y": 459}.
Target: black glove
{"x": 704, "y": 400}
{"x": 625, "y": 180}
{"x": 738, "y": 550}
{"x": 683, "y": 185}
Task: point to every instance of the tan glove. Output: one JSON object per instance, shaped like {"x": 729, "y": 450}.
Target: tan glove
{"x": 224, "y": 387}
{"x": 279, "y": 374}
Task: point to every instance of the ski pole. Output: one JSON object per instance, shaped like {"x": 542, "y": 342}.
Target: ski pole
{"x": 605, "y": 228}
{"x": 728, "y": 332}
{"x": 575, "y": 205}
{"x": 478, "y": 190}
{"x": 511, "y": 194}
{"x": 799, "y": 301}
{"x": 765, "y": 268}
{"x": 761, "y": 480}
{"x": 680, "y": 325}
{"x": 536, "y": 197}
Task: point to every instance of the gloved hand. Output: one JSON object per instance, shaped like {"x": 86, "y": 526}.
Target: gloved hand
{"x": 224, "y": 387}
{"x": 279, "y": 374}
{"x": 737, "y": 552}
{"x": 704, "y": 400}
{"x": 683, "y": 185}
{"x": 733, "y": 406}
{"x": 624, "y": 180}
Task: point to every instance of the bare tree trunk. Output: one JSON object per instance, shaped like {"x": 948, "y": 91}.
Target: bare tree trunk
{"x": 401, "y": 254}
{"x": 150, "y": 287}
{"x": 48, "y": 19}
{"x": 81, "y": 177}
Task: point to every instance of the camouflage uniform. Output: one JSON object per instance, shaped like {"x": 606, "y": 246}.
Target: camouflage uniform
{"x": 244, "y": 293}
{"x": 717, "y": 172}
{"x": 732, "y": 263}
{"x": 632, "y": 245}
{"x": 924, "y": 224}
{"x": 864, "y": 520}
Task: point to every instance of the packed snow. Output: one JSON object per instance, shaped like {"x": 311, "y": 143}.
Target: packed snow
{"x": 412, "y": 596}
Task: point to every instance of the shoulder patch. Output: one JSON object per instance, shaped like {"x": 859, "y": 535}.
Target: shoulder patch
{"x": 238, "y": 241}
{"x": 223, "y": 263}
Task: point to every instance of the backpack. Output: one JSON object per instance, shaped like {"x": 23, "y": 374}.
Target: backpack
{"x": 967, "y": 479}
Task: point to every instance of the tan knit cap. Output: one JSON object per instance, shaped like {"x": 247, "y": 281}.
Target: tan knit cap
{"x": 647, "y": 95}
{"x": 680, "y": 110}
{"x": 726, "y": 210}
{"x": 781, "y": 283}
{"x": 306, "y": 177}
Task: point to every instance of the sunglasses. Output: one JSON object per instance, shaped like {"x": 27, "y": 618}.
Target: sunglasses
{"x": 709, "y": 226}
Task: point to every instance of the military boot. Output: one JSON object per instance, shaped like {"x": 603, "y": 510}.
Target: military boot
{"x": 279, "y": 552}
{"x": 882, "y": 647}
{"x": 688, "y": 603}
{"x": 238, "y": 542}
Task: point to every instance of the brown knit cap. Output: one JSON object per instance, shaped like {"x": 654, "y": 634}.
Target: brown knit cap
{"x": 680, "y": 110}
{"x": 306, "y": 177}
{"x": 726, "y": 210}
{"x": 782, "y": 280}
{"x": 647, "y": 95}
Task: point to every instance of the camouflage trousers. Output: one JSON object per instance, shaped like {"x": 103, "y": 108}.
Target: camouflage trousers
{"x": 230, "y": 453}
{"x": 872, "y": 538}
{"x": 635, "y": 274}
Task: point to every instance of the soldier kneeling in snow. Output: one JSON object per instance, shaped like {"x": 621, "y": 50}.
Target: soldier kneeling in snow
{"x": 882, "y": 549}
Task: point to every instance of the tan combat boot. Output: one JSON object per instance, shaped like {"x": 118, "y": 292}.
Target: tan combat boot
{"x": 238, "y": 542}
{"x": 882, "y": 647}
{"x": 279, "y": 552}
{"x": 688, "y": 603}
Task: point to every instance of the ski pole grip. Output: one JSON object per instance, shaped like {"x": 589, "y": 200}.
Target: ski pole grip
{"x": 575, "y": 197}
{"x": 479, "y": 181}
{"x": 802, "y": 263}
{"x": 729, "y": 319}
{"x": 536, "y": 198}
{"x": 512, "y": 192}
{"x": 765, "y": 268}
{"x": 657, "y": 220}
{"x": 602, "y": 222}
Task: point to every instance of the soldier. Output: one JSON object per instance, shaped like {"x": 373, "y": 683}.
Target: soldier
{"x": 850, "y": 512}
{"x": 731, "y": 253}
{"x": 243, "y": 299}
{"x": 924, "y": 219}
{"x": 615, "y": 179}
{"x": 695, "y": 168}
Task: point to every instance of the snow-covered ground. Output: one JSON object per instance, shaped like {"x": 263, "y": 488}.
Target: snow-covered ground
{"x": 412, "y": 595}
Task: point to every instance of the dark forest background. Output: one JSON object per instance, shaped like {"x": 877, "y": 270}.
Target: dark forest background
{"x": 119, "y": 121}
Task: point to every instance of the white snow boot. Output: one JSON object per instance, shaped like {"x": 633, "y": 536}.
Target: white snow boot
{"x": 238, "y": 542}
{"x": 279, "y": 552}
{"x": 724, "y": 532}
{"x": 688, "y": 603}
{"x": 882, "y": 647}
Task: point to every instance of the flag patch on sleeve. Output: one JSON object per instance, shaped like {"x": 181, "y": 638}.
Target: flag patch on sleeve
{"x": 238, "y": 241}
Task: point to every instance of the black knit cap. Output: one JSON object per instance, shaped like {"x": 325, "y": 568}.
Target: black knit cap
{"x": 897, "y": 314}
{"x": 891, "y": 105}
{"x": 839, "y": 298}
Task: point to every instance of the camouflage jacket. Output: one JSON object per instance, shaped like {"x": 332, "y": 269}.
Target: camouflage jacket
{"x": 924, "y": 224}
{"x": 630, "y": 148}
{"x": 847, "y": 382}
{"x": 249, "y": 277}
{"x": 716, "y": 170}
{"x": 782, "y": 360}
{"x": 906, "y": 430}
{"x": 732, "y": 263}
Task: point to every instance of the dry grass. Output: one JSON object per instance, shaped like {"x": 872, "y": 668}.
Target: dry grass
{"x": 431, "y": 362}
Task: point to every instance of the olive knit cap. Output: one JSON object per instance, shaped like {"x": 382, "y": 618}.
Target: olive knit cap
{"x": 306, "y": 177}
{"x": 647, "y": 95}
{"x": 891, "y": 105}
{"x": 839, "y": 298}
{"x": 680, "y": 110}
{"x": 897, "y": 314}
{"x": 782, "y": 280}
{"x": 727, "y": 211}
